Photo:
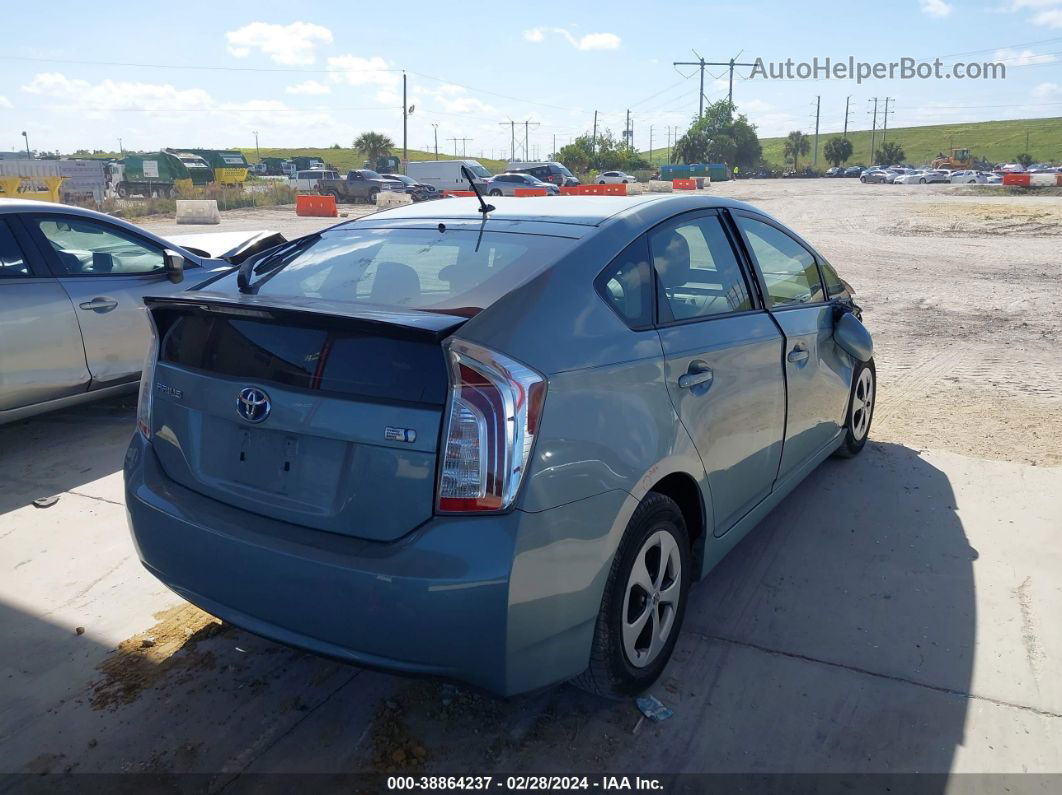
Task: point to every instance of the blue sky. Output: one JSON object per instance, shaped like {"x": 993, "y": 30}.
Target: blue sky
{"x": 318, "y": 73}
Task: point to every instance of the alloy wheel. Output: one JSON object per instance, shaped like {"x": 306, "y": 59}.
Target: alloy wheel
{"x": 862, "y": 403}
{"x": 651, "y": 600}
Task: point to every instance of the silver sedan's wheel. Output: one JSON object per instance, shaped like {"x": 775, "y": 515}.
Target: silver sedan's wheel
{"x": 650, "y": 606}
{"x": 862, "y": 404}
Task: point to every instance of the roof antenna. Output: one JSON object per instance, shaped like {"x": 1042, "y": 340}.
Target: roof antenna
{"x": 483, "y": 206}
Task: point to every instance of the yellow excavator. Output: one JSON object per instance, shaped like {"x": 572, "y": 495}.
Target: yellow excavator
{"x": 958, "y": 160}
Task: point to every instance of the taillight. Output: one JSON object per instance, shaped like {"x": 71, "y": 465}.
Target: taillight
{"x": 493, "y": 414}
{"x": 147, "y": 383}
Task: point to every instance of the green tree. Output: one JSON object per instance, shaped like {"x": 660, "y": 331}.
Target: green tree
{"x": 1025, "y": 159}
{"x": 719, "y": 136}
{"x": 374, "y": 145}
{"x": 796, "y": 146}
{"x": 605, "y": 154}
{"x": 890, "y": 154}
{"x": 837, "y": 151}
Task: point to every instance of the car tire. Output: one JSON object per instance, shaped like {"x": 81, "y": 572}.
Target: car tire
{"x": 602, "y": 182}
{"x": 922, "y": 181}
{"x": 863, "y": 180}
{"x": 372, "y": 195}
{"x": 860, "y": 412}
{"x": 495, "y": 192}
{"x": 656, "y": 529}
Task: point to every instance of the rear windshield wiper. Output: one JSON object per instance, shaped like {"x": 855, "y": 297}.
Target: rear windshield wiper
{"x": 276, "y": 258}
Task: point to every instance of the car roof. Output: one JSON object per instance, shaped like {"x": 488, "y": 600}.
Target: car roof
{"x": 576, "y": 215}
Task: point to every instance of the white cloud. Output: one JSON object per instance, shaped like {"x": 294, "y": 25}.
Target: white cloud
{"x": 591, "y": 41}
{"x": 449, "y": 89}
{"x": 354, "y": 70}
{"x": 310, "y": 87}
{"x": 1049, "y": 19}
{"x": 110, "y": 95}
{"x": 934, "y": 8}
{"x": 5, "y": 102}
{"x": 1022, "y": 57}
{"x": 291, "y": 45}
{"x": 467, "y": 105}
{"x": 1048, "y": 91}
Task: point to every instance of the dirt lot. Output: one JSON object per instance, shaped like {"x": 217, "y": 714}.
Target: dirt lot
{"x": 898, "y": 613}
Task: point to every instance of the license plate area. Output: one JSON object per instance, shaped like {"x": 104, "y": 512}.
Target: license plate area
{"x": 266, "y": 460}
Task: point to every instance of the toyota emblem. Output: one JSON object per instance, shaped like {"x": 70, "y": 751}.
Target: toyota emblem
{"x": 253, "y": 404}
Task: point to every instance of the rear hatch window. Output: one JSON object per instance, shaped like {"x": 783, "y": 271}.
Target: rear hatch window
{"x": 458, "y": 271}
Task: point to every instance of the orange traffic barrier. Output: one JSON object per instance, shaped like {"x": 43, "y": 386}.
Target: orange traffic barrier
{"x": 594, "y": 190}
{"x": 321, "y": 206}
{"x": 459, "y": 193}
{"x": 684, "y": 184}
{"x": 530, "y": 191}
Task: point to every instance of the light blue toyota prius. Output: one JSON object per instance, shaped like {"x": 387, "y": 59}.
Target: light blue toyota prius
{"x": 496, "y": 444}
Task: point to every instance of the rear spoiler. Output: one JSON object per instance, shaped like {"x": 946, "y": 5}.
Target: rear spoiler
{"x": 402, "y": 323}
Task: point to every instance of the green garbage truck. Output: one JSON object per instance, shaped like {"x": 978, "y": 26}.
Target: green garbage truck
{"x": 229, "y": 165}
{"x": 151, "y": 175}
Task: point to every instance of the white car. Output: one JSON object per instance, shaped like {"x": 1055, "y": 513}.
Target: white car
{"x": 615, "y": 178}
{"x": 922, "y": 176}
{"x": 969, "y": 177}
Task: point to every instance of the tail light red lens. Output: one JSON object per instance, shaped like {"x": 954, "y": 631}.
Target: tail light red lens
{"x": 147, "y": 382}
{"x": 493, "y": 413}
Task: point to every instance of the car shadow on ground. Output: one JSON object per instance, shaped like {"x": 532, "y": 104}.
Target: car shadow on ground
{"x": 63, "y": 450}
{"x": 838, "y": 637}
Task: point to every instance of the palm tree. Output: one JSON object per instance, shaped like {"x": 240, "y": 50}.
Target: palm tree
{"x": 796, "y": 145}
{"x": 374, "y": 145}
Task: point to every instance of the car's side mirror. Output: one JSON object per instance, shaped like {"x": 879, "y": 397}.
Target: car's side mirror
{"x": 174, "y": 267}
{"x": 852, "y": 335}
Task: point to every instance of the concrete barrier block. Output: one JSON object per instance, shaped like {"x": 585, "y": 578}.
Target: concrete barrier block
{"x": 636, "y": 187}
{"x": 198, "y": 211}
{"x": 660, "y": 186}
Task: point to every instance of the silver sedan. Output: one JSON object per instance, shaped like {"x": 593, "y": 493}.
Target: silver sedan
{"x": 507, "y": 184}
{"x": 72, "y": 281}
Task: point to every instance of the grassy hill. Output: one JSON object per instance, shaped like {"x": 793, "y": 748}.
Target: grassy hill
{"x": 996, "y": 141}
{"x": 346, "y": 159}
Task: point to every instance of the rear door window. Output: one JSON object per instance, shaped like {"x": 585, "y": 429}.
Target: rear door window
{"x": 698, "y": 274}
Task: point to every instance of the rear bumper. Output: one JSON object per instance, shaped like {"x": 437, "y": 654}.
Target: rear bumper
{"x": 437, "y": 602}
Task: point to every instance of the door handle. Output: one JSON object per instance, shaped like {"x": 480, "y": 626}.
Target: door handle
{"x": 798, "y": 354}
{"x": 698, "y": 373}
{"x": 100, "y": 304}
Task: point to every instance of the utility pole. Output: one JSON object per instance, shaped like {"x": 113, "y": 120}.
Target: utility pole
{"x": 628, "y": 133}
{"x": 885, "y": 126}
{"x": 593, "y": 139}
{"x": 405, "y": 125}
{"x": 463, "y": 141}
{"x": 257, "y": 152}
{"x": 121, "y": 150}
{"x": 554, "y": 144}
{"x": 873, "y": 130}
{"x": 846, "y": 101}
{"x": 818, "y": 105}
{"x": 28, "y": 155}
{"x": 435, "y": 127}
{"x": 650, "y": 144}
{"x": 701, "y": 63}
